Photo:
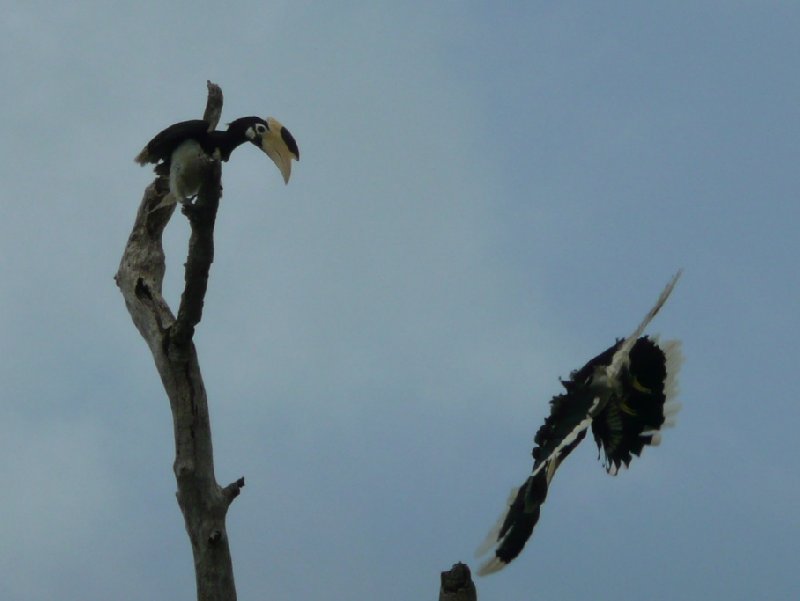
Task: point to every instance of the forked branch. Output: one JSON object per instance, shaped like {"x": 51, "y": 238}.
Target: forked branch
{"x": 204, "y": 503}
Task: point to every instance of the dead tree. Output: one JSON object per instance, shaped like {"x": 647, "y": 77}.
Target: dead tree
{"x": 203, "y": 502}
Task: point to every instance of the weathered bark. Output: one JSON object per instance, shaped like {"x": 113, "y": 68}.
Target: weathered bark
{"x": 204, "y": 503}
{"x": 457, "y": 584}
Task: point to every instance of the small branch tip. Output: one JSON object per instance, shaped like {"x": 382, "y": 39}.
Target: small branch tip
{"x": 233, "y": 489}
{"x": 457, "y": 584}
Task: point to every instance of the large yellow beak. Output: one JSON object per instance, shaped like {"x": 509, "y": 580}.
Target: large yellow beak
{"x": 279, "y": 145}
{"x": 279, "y": 156}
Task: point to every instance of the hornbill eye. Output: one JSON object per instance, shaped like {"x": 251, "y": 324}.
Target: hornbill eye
{"x": 261, "y": 128}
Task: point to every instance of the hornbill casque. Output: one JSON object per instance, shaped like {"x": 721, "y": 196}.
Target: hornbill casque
{"x": 182, "y": 150}
{"x": 625, "y": 394}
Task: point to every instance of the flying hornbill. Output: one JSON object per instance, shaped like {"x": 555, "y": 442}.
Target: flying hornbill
{"x": 623, "y": 395}
{"x": 184, "y": 148}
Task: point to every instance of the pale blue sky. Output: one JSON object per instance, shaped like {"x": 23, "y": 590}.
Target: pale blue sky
{"x": 488, "y": 195}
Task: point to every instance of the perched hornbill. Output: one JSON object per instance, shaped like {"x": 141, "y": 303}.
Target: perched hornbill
{"x": 184, "y": 148}
{"x": 623, "y": 395}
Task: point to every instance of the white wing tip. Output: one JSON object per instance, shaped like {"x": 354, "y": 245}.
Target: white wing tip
{"x": 491, "y": 537}
{"x": 491, "y": 566}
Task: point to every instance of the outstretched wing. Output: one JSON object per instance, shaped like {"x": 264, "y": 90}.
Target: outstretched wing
{"x": 570, "y": 416}
{"x": 515, "y": 525}
{"x": 161, "y": 146}
{"x": 634, "y": 416}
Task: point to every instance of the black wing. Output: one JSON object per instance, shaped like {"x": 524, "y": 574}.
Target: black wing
{"x": 632, "y": 418}
{"x": 517, "y": 525}
{"x": 569, "y": 410}
{"x": 570, "y": 416}
{"x": 161, "y": 146}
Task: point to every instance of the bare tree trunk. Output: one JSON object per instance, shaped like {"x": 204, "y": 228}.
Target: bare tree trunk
{"x": 457, "y": 584}
{"x": 204, "y": 503}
